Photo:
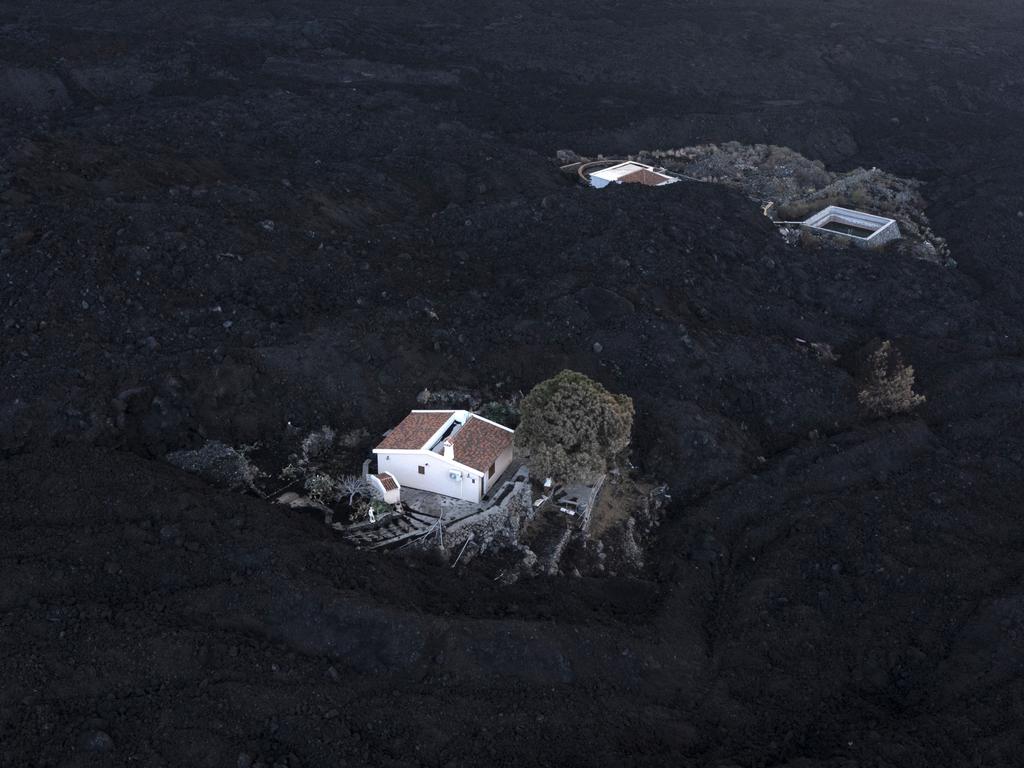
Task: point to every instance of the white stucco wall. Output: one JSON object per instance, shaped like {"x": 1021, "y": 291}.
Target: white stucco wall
{"x": 500, "y": 465}
{"x": 389, "y": 497}
{"x": 405, "y": 467}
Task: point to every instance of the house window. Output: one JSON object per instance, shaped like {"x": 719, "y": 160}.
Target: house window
{"x": 490, "y": 472}
{"x": 423, "y": 470}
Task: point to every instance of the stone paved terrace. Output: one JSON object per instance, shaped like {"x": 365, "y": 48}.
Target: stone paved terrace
{"x": 434, "y": 504}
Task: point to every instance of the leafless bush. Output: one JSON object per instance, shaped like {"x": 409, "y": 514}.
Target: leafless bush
{"x": 353, "y": 485}
{"x": 888, "y": 383}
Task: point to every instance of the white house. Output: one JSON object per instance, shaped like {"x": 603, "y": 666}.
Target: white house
{"x": 454, "y": 453}
{"x": 631, "y": 172}
{"x": 863, "y": 229}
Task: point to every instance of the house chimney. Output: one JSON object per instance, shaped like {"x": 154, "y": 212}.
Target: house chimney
{"x": 449, "y": 450}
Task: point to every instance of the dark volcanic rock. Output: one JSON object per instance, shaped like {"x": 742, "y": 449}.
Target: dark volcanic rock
{"x": 235, "y": 222}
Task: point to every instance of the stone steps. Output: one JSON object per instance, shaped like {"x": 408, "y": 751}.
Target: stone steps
{"x": 395, "y": 528}
{"x": 551, "y": 531}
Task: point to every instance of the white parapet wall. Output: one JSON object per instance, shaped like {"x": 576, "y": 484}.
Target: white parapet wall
{"x": 863, "y": 229}
{"x": 631, "y": 172}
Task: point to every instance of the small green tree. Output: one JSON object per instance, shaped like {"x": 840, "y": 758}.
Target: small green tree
{"x": 572, "y": 427}
{"x": 888, "y": 383}
{"x": 322, "y": 488}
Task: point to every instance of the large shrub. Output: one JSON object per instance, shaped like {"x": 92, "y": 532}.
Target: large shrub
{"x": 572, "y": 427}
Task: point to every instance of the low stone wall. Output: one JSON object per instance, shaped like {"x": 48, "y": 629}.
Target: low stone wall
{"x": 495, "y": 528}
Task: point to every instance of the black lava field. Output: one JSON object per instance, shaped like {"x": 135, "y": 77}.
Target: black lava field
{"x": 228, "y": 220}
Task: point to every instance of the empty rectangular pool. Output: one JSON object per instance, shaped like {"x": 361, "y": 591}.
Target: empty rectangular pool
{"x": 863, "y": 229}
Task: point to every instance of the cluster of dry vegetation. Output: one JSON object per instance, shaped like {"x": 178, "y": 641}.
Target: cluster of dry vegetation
{"x": 888, "y": 383}
{"x": 799, "y": 186}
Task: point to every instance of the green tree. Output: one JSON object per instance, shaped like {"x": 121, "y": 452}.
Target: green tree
{"x": 572, "y": 427}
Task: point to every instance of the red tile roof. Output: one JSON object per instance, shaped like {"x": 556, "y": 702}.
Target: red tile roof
{"x": 414, "y": 430}
{"x": 479, "y": 443}
{"x": 388, "y": 482}
{"x": 643, "y": 176}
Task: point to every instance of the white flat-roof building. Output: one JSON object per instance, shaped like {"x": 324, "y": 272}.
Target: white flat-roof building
{"x": 631, "y": 172}
{"x": 863, "y": 229}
